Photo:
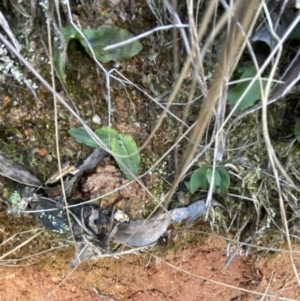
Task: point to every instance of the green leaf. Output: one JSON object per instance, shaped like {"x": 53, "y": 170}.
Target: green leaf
{"x": 123, "y": 147}
{"x": 106, "y": 134}
{"x": 82, "y": 136}
{"x": 60, "y": 51}
{"x": 225, "y": 182}
{"x": 224, "y": 176}
{"x": 187, "y": 185}
{"x": 251, "y": 96}
{"x": 69, "y": 32}
{"x": 221, "y": 180}
{"x": 59, "y": 61}
{"x": 198, "y": 180}
{"x": 217, "y": 179}
{"x": 107, "y": 35}
{"x": 297, "y": 129}
{"x": 295, "y": 34}
{"x": 208, "y": 175}
{"x": 97, "y": 39}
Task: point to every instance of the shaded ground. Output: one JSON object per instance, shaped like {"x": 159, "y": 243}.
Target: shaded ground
{"x": 187, "y": 274}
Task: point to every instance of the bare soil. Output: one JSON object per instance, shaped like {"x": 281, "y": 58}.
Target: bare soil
{"x": 192, "y": 273}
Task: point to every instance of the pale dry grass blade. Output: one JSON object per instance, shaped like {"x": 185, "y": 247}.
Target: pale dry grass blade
{"x": 8, "y": 31}
{"x": 144, "y": 35}
{"x": 245, "y": 16}
{"x": 21, "y": 245}
{"x": 275, "y": 163}
{"x": 57, "y": 134}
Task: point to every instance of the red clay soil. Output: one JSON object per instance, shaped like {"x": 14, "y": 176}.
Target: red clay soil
{"x": 189, "y": 274}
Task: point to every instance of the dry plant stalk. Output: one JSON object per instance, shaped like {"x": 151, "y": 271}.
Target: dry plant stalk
{"x": 241, "y": 24}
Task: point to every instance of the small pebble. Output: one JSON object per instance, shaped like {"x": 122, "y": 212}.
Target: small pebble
{"x": 115, "y": 2}
{"x": 96, "y": 119}
{"x": 49, "y": 158}
{"x": 183, "y": 198}
{"x": 121, "y": 216}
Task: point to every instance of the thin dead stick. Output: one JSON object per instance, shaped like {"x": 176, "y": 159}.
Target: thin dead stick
{"x": 8, "y": 31}
{"x": 12, "y": 237}
{"x": 21, "y": 245}
{"x": 49, "y": 296}
{"x": 103, "y": 296}
{"x": 268, "y": 286}
{"x": 56, "y": 124}
{"x": 14, "y": 261}
{"x": 145, "y": 34}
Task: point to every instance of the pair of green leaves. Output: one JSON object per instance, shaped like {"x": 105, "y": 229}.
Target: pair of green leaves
{"x": 123, "y": 147}
{"x": 97, "y": 40}
{"x": 202, "y": 178}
